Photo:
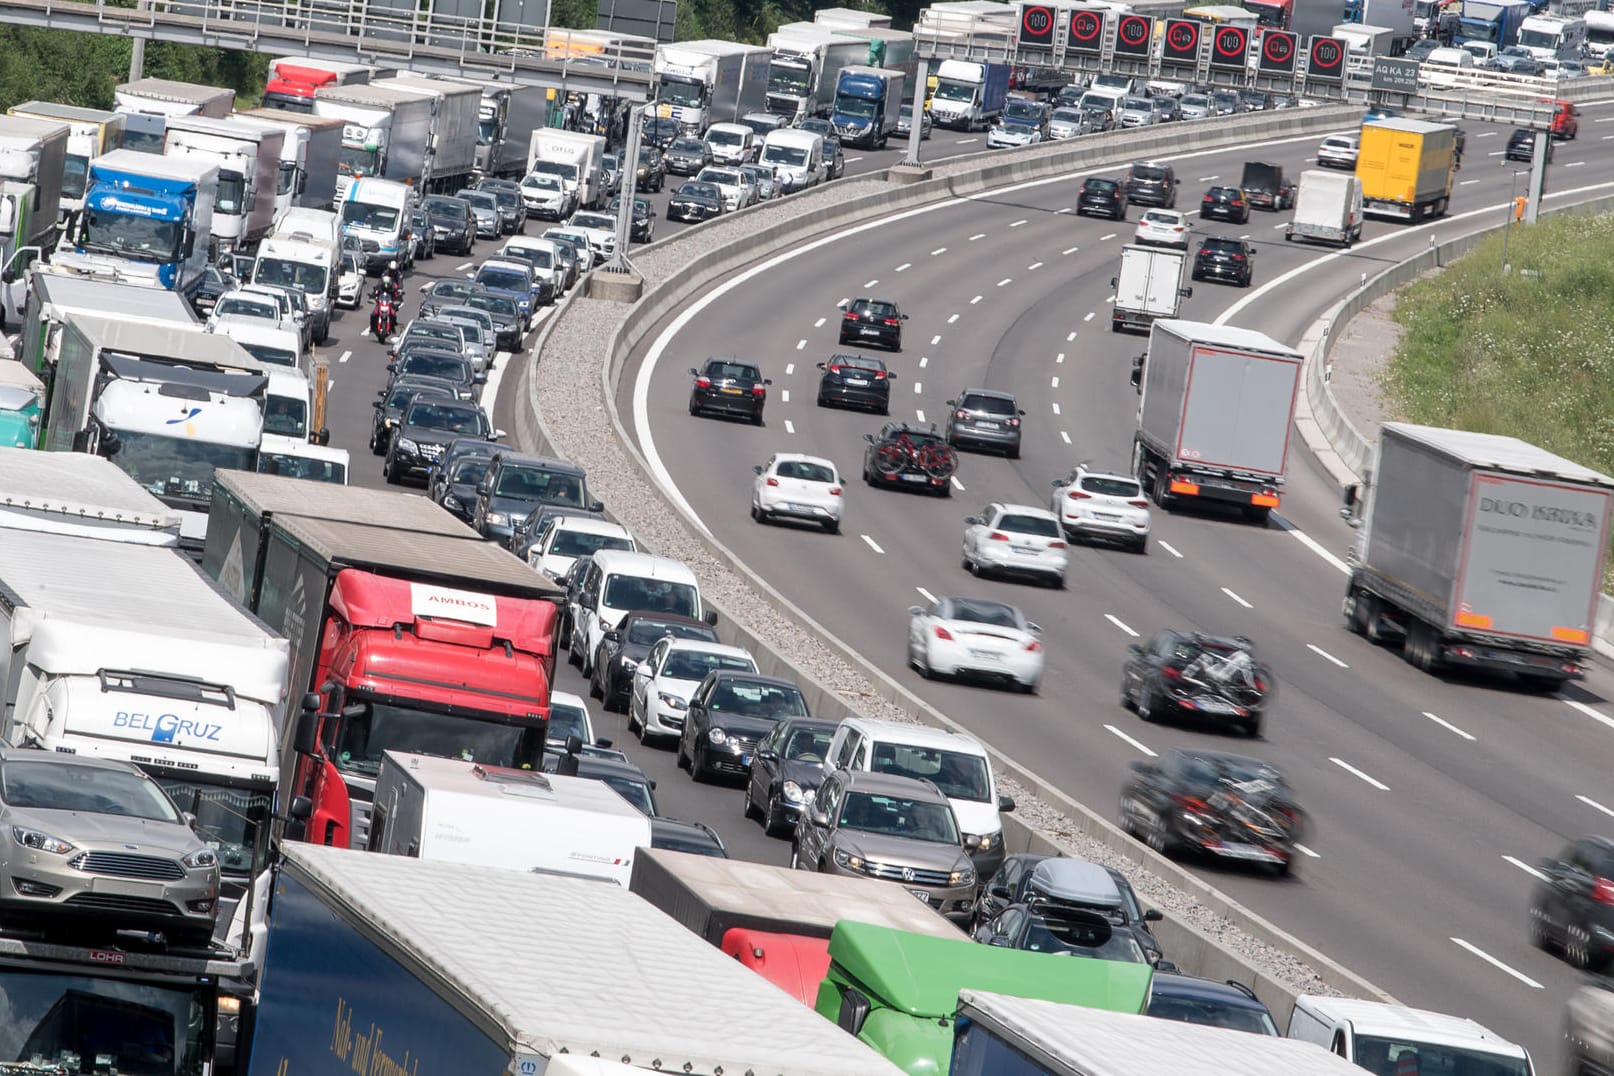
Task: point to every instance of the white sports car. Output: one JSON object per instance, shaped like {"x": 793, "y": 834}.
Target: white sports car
{"x": 976, "y": 636}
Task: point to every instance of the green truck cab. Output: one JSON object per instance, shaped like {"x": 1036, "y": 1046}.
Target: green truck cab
{"x": 22, "y": 398}
{"x": 898, "y": 991}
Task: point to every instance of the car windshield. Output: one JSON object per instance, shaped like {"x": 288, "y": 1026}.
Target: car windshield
{"x": 481, "y": 200}
{"x": 1022, "y": 524}
{"x": 1211, "y": 1013}
{"x": 1387, "y": 1055}
{"x": 805, "y": 472}
{"x": 503, "y": 280}
{"x": 381, "y": 218}
{"x": 756, "y": 698}
{"x": 452, "y": 291}
{"x": 644, "y": 632}
{"x": 427, "y": 331}
{"x": 1111, "y": 487}
{"x": 732, "y": 371}
{"x": 896, "y": 816}
{"x": 541, "y": 486}
{"x": 979, "y": 611}
{"x": 1196, "y": 100}
{"x": 599, "y": 221}
{"x": 1075, "y": 937}
{"x": 692, "y": 146}
{"x": 369, "y": 728}
{"x": 807, "y": 745}
{"x": 702, "y": 191}
{"x": 725, "y": 138}
{"x": 306, "y": 277}
{"x": 635, "y": 792}
{"x": 1022, "y": 110}
{"x": 1067, "y": 115}
{"x": 469, "y": 471}
{"x": 695, "y": 664}
{"x": 720, "y": 177}
{"x": 542, "y": 181}
{"x": 57, "y": 786}
{"x": 1246, "y": 773}
{"x": 1105, "y": 185}
{"x": 273, "y": 356}
{"x": 637, "y": 592}
{"x": 235, "y": 306}
{"x": 428, "y": 365}
{"x": 1139, "y": 104}
{"x": 583, "y": 543}
{"x": 960, "y": 776}
{"x": 1156, "y": 216}
{"x": 500, "y": 306}
{"x": 445, "y": 417}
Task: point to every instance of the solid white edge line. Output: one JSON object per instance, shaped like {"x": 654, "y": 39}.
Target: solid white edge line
{"x": 1447, "y": 725}
{"x": 1348, "y": 768}
{"x": 1135, "y": 743}
{"x": 1489, "y": 959}
{"x": 1118, "y": 622}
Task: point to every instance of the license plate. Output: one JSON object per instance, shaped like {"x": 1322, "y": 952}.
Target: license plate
{"x": 124, "y": 887}
{"x": 1236, "y": 850}
{"x": 860, "y": 383}
{"x": 921, "y": 894}
{"x": 731, "y": 392}
{"x": 745, "y": 760}
{"x": 1213, "y": 705}
{"x": 987, "y": 425}
{"x": 1106, "y": 515}
{"x": 989, "y": 655}
{"x": 1025, "y": 549}
{"x": 913, "y": 478}
{"x": 869, "y": 330}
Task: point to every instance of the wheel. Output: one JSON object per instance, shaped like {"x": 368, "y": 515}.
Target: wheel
{"x": 750, "y": 810}
{"x": 1162, "y": 489}
{"x": 1258, "y": 516}
{"x": 1058, "y": 582}
{"x": 795, "y": 856}
{"x": 772, "y": 824}
{"x": 1282, "y": 870}
{"x": 833, "y": 526}
{"x": 389, "y": 473}
{"x": 1013, "y": 453}
{"x": 697, "y": 766}
{"x": 1538, "y": 930}
{"x": 694, "y": 408}
{"x": 756, "y": 513}
{"x": 1126, "y": 694}
{"x": 1145, "y": 704}
{"x": 1252, "y": 727}
{"x": 756, "y": 419}
{"x": 1156, "y": 836}
{"x": 682, "y": 760}
{"x": 1141, "y": 546}
{"x": 594, "y": 689}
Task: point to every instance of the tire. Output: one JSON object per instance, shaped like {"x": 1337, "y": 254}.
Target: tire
{"x": 389, "y": 473}
{"x": 682, "y": 761}
{"x": 1157, "y": 836}
{"x": 750, "y": 812}
{"x": 1126, "y": 695}
{"x": 1257, "y": 516}
{"x": 795, "y": 856}
{"x": 594, "y": 689}
{"x": 1059, "y": 581}
{"x": 1145, "y": 704}
{"x": 1252, "y": 727}
{"x": 832, "y": 526}
{"x": 771, "y": 824}
{"x": 756, "y": 419}
{"x": 1013, "y": 453}
{"x": 756, "y": 514}
{"x": 697, "y": 767}
{"x": 1141, "y": 547}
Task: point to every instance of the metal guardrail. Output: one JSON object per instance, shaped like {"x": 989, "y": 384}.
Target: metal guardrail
{"x": 450, "y": 37}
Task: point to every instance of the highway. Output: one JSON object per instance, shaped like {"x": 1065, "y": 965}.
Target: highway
{"x": 1430, "y": 798}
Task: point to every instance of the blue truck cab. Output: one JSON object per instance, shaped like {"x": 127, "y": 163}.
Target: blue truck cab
{"x": 868, "y": 103}
{"x": 147, "y": 220}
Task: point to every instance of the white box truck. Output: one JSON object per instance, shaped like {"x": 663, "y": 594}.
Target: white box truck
{"x": 461, "y": 969}
{"x": 248, "y": 159}
{"x": 1148, "y": 287}
{"x": 308, "y": 157}
{"x": 75, "y": 493}
{"x": 572, "y": 157}
{"x": 387, "y": 132}
{"x": 457, "y": 811}
{"x": 1216, "y": 408}
{"x": 1328, "y": 209}
{"x": 707, "y": 82}
{"x": 148, "y": 102}
{"x": 90, "y": 133}
{"x": 455, "y": 109}
{"x": 1378, "y": 1036}
{"x": 1479, "y": 550}
{"x": 806, "y": 66}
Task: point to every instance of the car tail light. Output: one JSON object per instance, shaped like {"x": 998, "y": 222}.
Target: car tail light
{"x": 703, "y": 382}
{"x": 1190, "y": 803}
{"x": 835, "y": 491}
{"x": 1032, "y": 646}
{"x": 892, "y": 321}
{"x": 773, "y": 481}
{"x": 1078, "y": 495}
{"x": 943, "y": 633}
{"x": 1237, "y": 257}
{"x": 850, "y": 316}
{"x": 998, "y": 536}
{"x": 1603, "y": 891}
{"x": 1139, "y": 503}
{"x": 1056, "y": 545}
{"x": 834, "y": 369}
{"x": 1260, "y": 684}
{"x": 1171, "y": 673}
{"x": 759, "y": 390}
{"x": 879, "y": 375}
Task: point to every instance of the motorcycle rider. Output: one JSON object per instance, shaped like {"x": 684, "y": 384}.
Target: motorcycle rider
{"x": 392, "y": 281}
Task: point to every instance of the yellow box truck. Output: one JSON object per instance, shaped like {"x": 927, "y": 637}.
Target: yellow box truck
{"x": 1406, "y": 168}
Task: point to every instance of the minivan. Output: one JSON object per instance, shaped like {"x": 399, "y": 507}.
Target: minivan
{"x": 955, "y": 762}
{"x": 731, "y": 143}
{"x": 1379, "y": 1036}
{"x": 621, "y": 581}
{"x": 798, "y": 157}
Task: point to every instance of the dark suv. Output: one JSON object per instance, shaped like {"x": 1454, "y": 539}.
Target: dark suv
{"x": 983, "y": 418}
{"x": 873, "y": 320}
{"x": 1101, "y": 197}
{"x": 424, "y": 430}
{"x": 1152, "y": 185}
{"x": 1224, "y": 259}
{"x": 516, "y": 484}
{"x": 1572, "y": 907}
{"x": 1225, "y": 203}
{"x": 1264, "y": 184}
{"x": 729, "y": 387}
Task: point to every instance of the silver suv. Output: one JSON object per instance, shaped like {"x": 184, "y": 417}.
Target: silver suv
{"x": 901, "y": 829}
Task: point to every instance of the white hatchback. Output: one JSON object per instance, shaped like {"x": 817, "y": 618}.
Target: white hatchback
{"x": 976, "y": 636}
{"x": 568, "y": 537}
{"x": 669, "y": 675}
{"x": 1163, "y": 227}
{"x": 793, "y": 486}
{"x": 1015, "y": 539}
{"x": 1098, "y": 504}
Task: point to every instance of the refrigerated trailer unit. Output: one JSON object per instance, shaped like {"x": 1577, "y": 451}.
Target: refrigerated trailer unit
{"x": 1148, "y": 287}
{"x": 148, "y": 102}
{"x": 1479, "y": 550}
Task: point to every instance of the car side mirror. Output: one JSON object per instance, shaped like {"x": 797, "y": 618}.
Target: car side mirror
{"x": 972, "y": 520}
{"x": 596, "y": 506}
{"x": 323, "y": 437}
{"x": 602, "y": 742}
{"x": 818, "y": 818}
{"x": 889, "y": 376}
{"x": 952, "y": 403}
{"x": 190, "y": 819}
{"x": 767, "y": 756}
{"x": 1153, "y": 915}
{"x": 757, "y": 469}
{"x": 1165, "y": 965}
{"x": 869, "y": 437}
{"x": 1005, "y": 804}
{"x": 821, "y": 365}
{"x": 694, "y": 372}
{"x": 392, "y": 367}
{"x": 613, "y": 635}
{"x": 498, "y": 435}
{"x": 710, "y": 619}
{"x": 914, "y": 610}
{"x": 767, "y": 381}
{"x": 484, "y": 487}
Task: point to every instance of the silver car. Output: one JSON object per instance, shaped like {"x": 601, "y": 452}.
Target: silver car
{"x": 1137, "y": 112}
{"x": 1195, "y": 106}
{"x": 762, "y": 179}
{"x": 1066, "y": 123}
{"x": 84, "y": 837}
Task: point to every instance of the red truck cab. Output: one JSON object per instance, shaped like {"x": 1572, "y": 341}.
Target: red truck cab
{"x": 293, "y": 80}
{"x": 795, "y": 963}
{"x": 1565, "y": 120}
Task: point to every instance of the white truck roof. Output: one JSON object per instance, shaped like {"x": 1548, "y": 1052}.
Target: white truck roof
{"x": 471, "y": 928}
{"x": 1496, "y": 451}
{"x": 59, "y": 293}
{"x": 75, "y": 492}
{"x": 1069, "y": 1040}
{"x": 1227, "y": 336}
{"x": 1405, "y": 1024}
{"x": 167, "y": 341}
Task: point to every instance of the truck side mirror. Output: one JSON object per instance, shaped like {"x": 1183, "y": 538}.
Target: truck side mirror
{"x": 324, "y": 438}
{"x": 1351, "y": 492}
{"x": 307, "y": 736}
{"x": 301, "y": 809}
{"x": 853, "y": 1012}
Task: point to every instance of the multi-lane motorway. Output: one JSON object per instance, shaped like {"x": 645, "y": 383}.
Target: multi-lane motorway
{"x": 1430, "y": 798}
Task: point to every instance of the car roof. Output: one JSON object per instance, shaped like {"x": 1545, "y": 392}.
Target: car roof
{"x": 1076, "y": 881}
{"x": 1093, "y": 472}
{"x": 1026, "y": 510}
{"x": 1408, "y": 1024}
{"x": 990, "y": 393}
{"x": 1172, "y": 984}
{"x": 915, "y": 735}
{"x": 504, "y": 263}
{"x": 566, "y": 698}
{"x": 750, "y": 677}
{"x": 893, "y": 784}
{"x": 802, "y": 457}
{"x": 630, "y": 562}
{"x": 704, "y": 647}
{"x": 548, "y": 463}
{"x": 589, "y": 525}
{"x": 51, "y": 758}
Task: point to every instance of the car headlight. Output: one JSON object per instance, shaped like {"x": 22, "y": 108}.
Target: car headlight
{"x": 626, "y": 663}
{"x": 717, "y": 736}
{"x": 793, "y": 792}
{"x": 497, "y": 519}
{"x": 674, "y": 702}
{"x": 963, "y": 877}
{"x": 40, "y": 841}
{"x": 982, "y": 842}
{"x": 406, "y": 444}
{"x": 848, "y": 860}
{"x": 202, "y": 857}
{"x": 452, "y": 502}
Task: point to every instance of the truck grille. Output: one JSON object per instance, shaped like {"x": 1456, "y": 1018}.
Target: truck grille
{"x": 892, "y": 872}
{"x": 123, "y": 865}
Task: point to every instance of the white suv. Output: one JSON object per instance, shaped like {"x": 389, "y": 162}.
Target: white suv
{"x": 1102, "y": 504}
{"x": 1339, "y": 151}
{"x": 669, "y": 675}
{"x": 954, "y": 762}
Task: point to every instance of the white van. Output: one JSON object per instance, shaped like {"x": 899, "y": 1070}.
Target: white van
{"x": 288, "y": 404}
{"x": 620, "y": 581}
{"x": 318, "y": 223}
{"x": 954, "y": 762}
{"x": 1379, "y": 1037}
{"x": 276, "y": 346}
{"x": 1442, "y": 66}
{"x": 293, "y": 457}
{"x": 797, "y": 156}
{"x": 376, "y": 212}
{"x": 731, "y": 143}
{"x": 307, "y": 261}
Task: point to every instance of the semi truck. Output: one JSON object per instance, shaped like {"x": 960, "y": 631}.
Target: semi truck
{"x": 408, "y": 965}
{"x": 997, "y": 1034}
{"x": 572, "y": 157}
{"x": 22, "y": 405}
{"x": 1495, "y": 22}
{"x": 1148, "y": 287}
{"x": 90, "y": 133}
{"x": 147, "y": 220}
{"x": 80, "y": 495}
{"x": 868, "y": 104}
{"x": 1554, "y": 37}
{"x": 408, "y": 632}
{"x": 162, "y": 670}
{"x": 308, "y": 156}
{"x": 386, "y": 135}
{"x": 774, "y": 920}
{"x": 805, "y": 68}
{"x": 707, "y": 82}
{"x": 1328, "y": 209}
{"x": 1477, "y": 550}
{"x": 1216, "y": 405}
{"x": 1407, "y": 168}
{"x": 148, "y": 102}
{"x": 33, "y": 161}
{"x": 248, "y": 160}
{"x": 507, "y": 116}
{"x": 293, "y": 80}
{"x": 454, "y": 126}
{"x": 969, "y": 95}
{"x": 1393, "y": 15}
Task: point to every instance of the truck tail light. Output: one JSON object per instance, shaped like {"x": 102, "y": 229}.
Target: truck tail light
{"x": 1187, "y": 489}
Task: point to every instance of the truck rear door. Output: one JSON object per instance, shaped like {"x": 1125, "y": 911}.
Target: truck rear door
{"x": 1163, "y": 284}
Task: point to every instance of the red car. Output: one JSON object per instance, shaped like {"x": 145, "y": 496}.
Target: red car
{"x": 1565, "y": 121}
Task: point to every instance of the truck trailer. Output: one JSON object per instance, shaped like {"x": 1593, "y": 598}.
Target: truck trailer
{"x": 1480, "y": 551}
{"x": 1215, "y": 416}
{"x": 1148, "y": 287}
{"x": 248, "y": 158}
{"x": 455, "y": 116}
{"x": 399, "y": 963}
{"x": 1407, "y": 168}
{"x": 507, "y": 116}
{"x": 707, "y": 82}
{"x": 91, "y": 132}
{"x": 148, "y": 102}
{"x": 1495, "y": 22}
{"x": 74, "y": 493}
{"x": 308, "y": 157}
{"x": 1328, "y": 209}
{"x": 807, "y": 61}
{"x": 387, "y": 132}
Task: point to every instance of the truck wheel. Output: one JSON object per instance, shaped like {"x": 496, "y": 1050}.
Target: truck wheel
{"x": 1257, "y": 516}
{"x": 1162, "y": 489}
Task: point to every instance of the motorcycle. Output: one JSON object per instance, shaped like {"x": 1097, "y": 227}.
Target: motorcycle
{"x": 384, "y": 317}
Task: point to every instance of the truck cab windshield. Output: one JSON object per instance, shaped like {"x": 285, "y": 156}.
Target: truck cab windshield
{"x": 230, "y": 820}
{"x": 75, "y": 175}
{"x": 232, "y": 193}
{"x": 285, "y": 415}
{"x": 682, "y": 91}
{"x": 358, "y": 161}
{"x": 141, "y": 238}
{"x": 381, "y": 218}
{"x": 371, "y": 727}
{"x": 73, "y": 1022}
{"x": 177, "y": 469}
{"x": 955, "y": 91}
{"x": 847, "y": 105}
{"x": 790, "y": 79}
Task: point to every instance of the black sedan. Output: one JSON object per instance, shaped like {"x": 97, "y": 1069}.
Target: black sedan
{"x": 1572, "y": 906}
{"x": 1522, "y": 145}
{"x": 728, "y": 716}
{"x": 424, "y": 430}
{"x": 687, "y": 156}
{"x": 394, "y": 398}
{"x": 1225, "y": 203}
{"x": 1193, "y": 1000}
{"x": 695, "y": 202}
{"x": 1215, "y": 804}
{"x": 458, "y": 449}
{"x": 627, "y": 644}
{"x": 872, "y": 321}
{"x": 651, "y": 174}
{"x": 1100, "y": 197}
{"x": 1213, "y": 677}
{"x": 451, "y": 223}
{"x": 729, "y": 387}
{"x": 1012, "y": 884}
{"x": 1223, "y": 259}
{"x": 642, "y": 227}
{"x": 456, "y": 489}
{"x": 660, "y": 132}
{"x": 786, "y": 772}
{"x": 855, "y": 381}
{"x": 423, "y": 360}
